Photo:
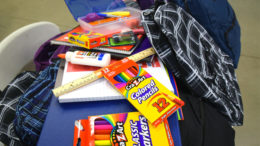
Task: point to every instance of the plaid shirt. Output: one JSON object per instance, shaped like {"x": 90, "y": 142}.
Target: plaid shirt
{"x": 33, "y": 105}
{"x": 189, "y": 51}
{"x": 9, "y": 99}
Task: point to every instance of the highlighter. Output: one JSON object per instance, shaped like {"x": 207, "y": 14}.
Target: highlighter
{"x": 107, "y": 15}
{"x": 87, "y": 58}
{"x": 119, "y": 13}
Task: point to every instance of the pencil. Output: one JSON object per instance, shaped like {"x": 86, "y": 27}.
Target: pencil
{"x": 126, "y": 76}
{"x": 129, "y": 73}
{"x": 123, "y": 76}
{"x": 96, "y": 75}
{"x": 120, "y": 79}
{"x": 133, "y": 71}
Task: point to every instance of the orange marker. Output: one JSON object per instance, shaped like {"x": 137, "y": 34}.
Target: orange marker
{"x": 101, "y": 131}
{"x": 102, "y": 137}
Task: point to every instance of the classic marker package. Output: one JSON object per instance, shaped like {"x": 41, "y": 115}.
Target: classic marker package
{"x": 123, "y": 129}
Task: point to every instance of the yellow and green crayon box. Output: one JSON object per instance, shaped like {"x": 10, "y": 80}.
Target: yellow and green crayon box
{"x": 122, "y": 129}
{"x": 144, "y": 92}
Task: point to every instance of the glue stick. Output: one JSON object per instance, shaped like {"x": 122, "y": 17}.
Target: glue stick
{"x": 87, "y": 58}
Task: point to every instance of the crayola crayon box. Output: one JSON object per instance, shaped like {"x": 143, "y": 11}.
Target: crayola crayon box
{"x": 123, "y": 129}
{"x": 88, "y": 39}
{"x": 143, "y": 91}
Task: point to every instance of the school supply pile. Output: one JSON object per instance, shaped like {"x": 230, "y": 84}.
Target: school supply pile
{"x": 121, "y": 32}
{"x": 96, "y": 75}
{"x": 139, "y": 88}
{"x": 74, "y": 71}
{"x": 148, "y": 95}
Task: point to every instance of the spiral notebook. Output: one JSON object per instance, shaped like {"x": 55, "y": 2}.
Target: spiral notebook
{"x": 123, "y": 49}
{"x": 101, "y": 89}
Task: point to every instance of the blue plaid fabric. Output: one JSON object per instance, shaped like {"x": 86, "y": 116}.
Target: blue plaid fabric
{"x": 33, "y": 106}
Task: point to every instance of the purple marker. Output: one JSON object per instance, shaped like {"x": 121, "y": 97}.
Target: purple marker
{"x": 102, "y": 122}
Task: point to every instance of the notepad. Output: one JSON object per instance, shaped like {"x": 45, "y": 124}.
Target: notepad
{"x": 101, "y": 89}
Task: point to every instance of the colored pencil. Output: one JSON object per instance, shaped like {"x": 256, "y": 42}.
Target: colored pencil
{"x": 130, "y": 73}
{"x": 127, "y": 77}
{"x": 123, "y": 76}
{"x": 133, "y": 70}
{"x": 119, "y": 79}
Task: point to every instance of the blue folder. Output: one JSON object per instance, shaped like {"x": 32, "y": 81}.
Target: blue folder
{"x": 79, "y": 8}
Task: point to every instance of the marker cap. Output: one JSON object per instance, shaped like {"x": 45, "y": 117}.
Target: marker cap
{"x": 62, "y": 56}
{"x": 66, "y": 56}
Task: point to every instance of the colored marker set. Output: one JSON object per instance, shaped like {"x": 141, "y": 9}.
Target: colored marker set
{"x": 126, "y": 129}
{"x": 143, "y": 91}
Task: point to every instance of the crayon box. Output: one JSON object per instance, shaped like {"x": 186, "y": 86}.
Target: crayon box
{"x": 88, "y": 39}
{"x": 123, "y": 129}
{"x": 144, "y": 92}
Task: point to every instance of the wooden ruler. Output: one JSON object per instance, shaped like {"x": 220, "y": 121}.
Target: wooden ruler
{"x": 66, "y": 88}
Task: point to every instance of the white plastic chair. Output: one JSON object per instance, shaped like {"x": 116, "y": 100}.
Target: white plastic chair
{"x": 18, "y": 48}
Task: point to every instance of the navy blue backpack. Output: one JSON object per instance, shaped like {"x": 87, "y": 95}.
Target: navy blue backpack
{"x": 218, "y": 18}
